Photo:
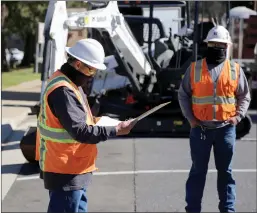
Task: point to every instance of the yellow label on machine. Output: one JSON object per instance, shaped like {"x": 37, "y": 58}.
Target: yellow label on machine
{"x": 178, "y": 123}
{"x": 86, "y": 19}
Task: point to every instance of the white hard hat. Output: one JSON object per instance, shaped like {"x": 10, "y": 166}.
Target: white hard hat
{"x": 88, "y": 51}
{"x": 218, "y": 34}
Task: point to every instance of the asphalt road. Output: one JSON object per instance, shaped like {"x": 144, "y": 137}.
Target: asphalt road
{"x": 141, "y": 175}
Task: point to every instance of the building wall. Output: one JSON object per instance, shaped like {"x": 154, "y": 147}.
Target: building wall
{"x": 249, "y": 38}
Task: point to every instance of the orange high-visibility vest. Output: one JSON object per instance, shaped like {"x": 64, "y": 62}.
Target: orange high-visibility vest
{"x": 214, "y": 101}
{"x": 56, "y": 150}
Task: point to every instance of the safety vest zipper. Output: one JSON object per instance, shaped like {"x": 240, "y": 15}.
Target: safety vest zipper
{"x": 214, "y": 102}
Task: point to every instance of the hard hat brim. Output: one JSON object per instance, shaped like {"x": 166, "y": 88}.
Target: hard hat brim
{"x": 97, "y": 66}
{"x": 218, "y": 40}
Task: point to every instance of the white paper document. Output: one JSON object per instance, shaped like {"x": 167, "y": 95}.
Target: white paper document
{"x": 149, "y": 112}
{"x": 107, "y": 121}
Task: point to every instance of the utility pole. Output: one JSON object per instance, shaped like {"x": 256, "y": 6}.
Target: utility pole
{"x": 195, "y": 39}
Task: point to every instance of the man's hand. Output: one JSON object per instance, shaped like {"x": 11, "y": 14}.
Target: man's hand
{"x": 194, "y": 123}
{"x": 124, "y": 127}
{"x": 96, "y": 119}
{"x": 233, "y": 120}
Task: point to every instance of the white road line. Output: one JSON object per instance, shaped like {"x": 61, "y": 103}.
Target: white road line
{"x": 147, "y": 172}
{"x": 248, "y": 139}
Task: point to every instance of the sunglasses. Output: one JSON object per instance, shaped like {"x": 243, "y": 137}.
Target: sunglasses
{"x": 90, "y": 70}
{"x": 217, "y": 45}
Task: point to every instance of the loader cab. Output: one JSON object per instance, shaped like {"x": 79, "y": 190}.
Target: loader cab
{"x": 159, "y": 42}
{"x": 171, "y": 14}
{"x": 169, "y": 52}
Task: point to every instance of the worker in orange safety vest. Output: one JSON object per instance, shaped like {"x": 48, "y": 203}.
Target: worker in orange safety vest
{"x": 214, "y": 97}
{"x": 67, "y": 135}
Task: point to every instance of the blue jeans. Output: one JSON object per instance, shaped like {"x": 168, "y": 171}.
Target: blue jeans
{"x": 67, "y": 201}
{"x": 223, "y": 142}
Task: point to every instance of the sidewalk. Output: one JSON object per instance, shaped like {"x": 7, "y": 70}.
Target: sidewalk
{"x": 16, "y": 103}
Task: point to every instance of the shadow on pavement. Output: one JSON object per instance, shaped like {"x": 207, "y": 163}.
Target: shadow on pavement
{"x": 16, "y": 135}
{"x": 11, "y": 169}
{"x": 10, "y": 147}
{"x": 22, "y": 96}
{"x": 5, "y": 130}
{"x": 16, "y": 105}
{"x": 29, "y": 169}
{"x": 26, "y": 169}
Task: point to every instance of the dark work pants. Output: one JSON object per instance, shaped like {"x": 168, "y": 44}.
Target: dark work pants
{"x": 67, "y": 201}
{"x": 201, "y": 142}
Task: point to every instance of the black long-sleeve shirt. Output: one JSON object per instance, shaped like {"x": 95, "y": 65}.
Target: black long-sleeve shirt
{"x": 66, "y": 107}
{"x": 71, "y": 114}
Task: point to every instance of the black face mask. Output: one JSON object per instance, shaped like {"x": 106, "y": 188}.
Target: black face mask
{"x": 215, "y": 55}
{"x": 75, "y": 76}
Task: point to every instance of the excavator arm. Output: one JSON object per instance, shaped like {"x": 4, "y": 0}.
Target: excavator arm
{"x": 111, "y": 20}
{"x": 107, "y": 19}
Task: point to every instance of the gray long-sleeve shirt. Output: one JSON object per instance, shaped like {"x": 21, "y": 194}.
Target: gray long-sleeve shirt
{"x": 242, "y": 95}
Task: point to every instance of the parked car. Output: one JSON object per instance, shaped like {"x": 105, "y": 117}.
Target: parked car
{"x": 14, "y": 57}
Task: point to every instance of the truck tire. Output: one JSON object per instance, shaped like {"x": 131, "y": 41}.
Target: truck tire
{"x": 28, "y": 144}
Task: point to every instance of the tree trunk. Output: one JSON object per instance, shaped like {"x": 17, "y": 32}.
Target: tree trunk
{"x": 5, "y": 64}
{"x": 29, "y": 50}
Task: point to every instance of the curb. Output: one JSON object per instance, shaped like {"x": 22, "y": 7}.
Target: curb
{"x": 9, "y": 125}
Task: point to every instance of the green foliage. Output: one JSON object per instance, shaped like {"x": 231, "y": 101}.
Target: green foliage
{"x": 76, "y": 4}
{"x": 23, "y": 16}
{"x": 18, "y": 76}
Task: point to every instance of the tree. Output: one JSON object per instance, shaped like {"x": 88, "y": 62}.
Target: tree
{"x": 22, "y": 19}
{"x": 76, "y": 4}
{"x": 216, "y": 9}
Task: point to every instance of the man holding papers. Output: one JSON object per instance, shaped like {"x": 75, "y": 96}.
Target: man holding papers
{"x": 67, "y": 132}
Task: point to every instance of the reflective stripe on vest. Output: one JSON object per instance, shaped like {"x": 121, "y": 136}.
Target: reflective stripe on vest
{"x": 55, "y": 134}
{"x": 212, "y": 100}
{"x": 232, "y": 70}
{"x": 48, "y": 87}
{"x": 198, "y": 70}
